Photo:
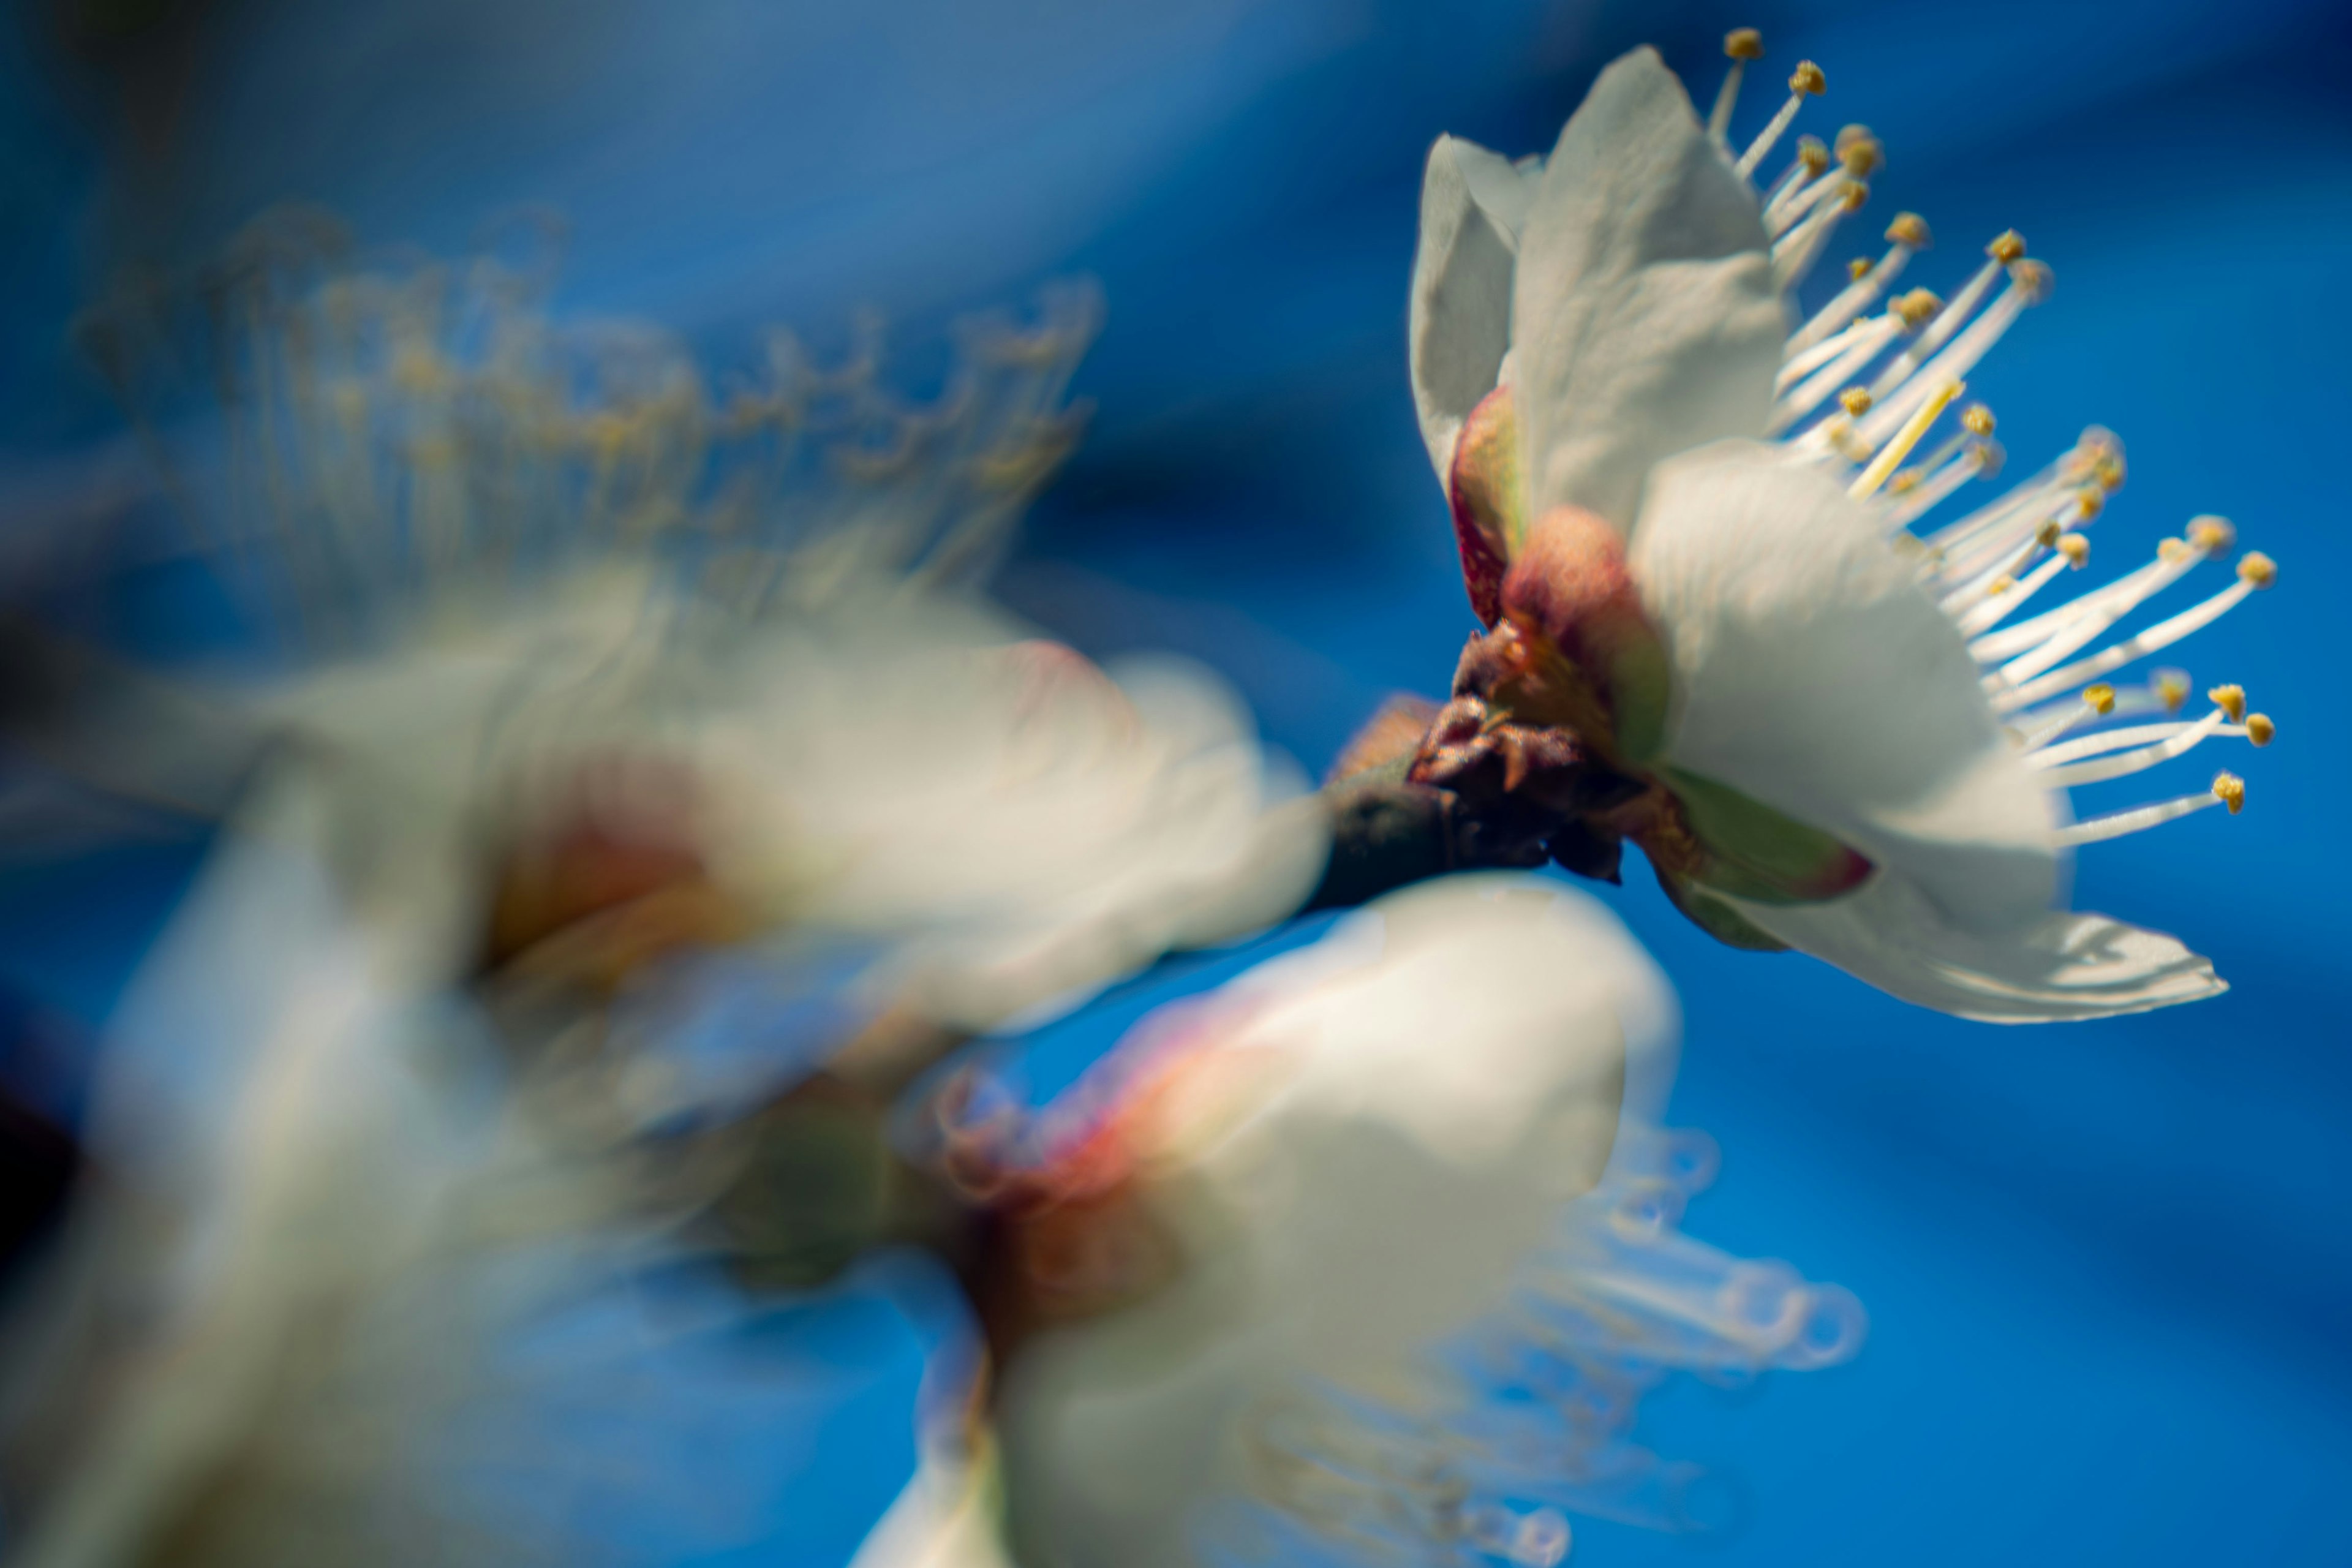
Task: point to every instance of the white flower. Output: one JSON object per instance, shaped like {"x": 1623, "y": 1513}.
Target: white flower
{"x": 1299, "y": 1189}
{"x": 1003, "y": 818}
{"x": 580, "y": 638}
{"x": 370, "y": 1182}
{"x": 410, "y": 1079}
{"x": 1843, "y": 741}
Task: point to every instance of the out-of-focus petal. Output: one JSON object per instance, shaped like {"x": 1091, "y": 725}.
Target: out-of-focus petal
{"x": 1472, "y": 204}
{"x": 1447, "y": 1072}
{"x": 945, "y": 1518}
{"x": 1645, "y": 315}
{"x": 2066, "y": 965}
{"x": 1812, "y": 672}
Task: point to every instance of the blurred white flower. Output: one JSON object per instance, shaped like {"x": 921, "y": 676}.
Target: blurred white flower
{"x": 576, "y": 636}
{"x": 1279, "y": 1272}
{"x": 409, "y": 1091}
{"x": 1833, "y": 736}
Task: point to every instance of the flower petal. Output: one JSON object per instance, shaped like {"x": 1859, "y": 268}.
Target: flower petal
{"x": 2066, "y": 965}
{"x": 1813, "y": 674}
{"x": 945, "y": 1518}
{"x": 1472, "y": 204}
{"x": 1644, "y": 317}
{"x": 1453, "y": 1064}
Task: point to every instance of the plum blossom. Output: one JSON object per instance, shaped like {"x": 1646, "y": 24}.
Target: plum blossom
{"x": 574, "y": 918}
{"x": 1729, "y": 615}
{"x": 1373, "y": 1250}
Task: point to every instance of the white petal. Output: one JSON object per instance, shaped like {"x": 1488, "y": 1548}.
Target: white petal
{"x": 1455, "y": 1064}
{"x": 1644, "y": 317}
{"x": 943, "y": 1518}
{"x": 1472, "y": 204}
{"x": 2067, "y": 966}
{"x": 1813, "y": 674}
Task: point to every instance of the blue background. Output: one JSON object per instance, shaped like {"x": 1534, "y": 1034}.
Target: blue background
{"x": 2109, "y": 1267}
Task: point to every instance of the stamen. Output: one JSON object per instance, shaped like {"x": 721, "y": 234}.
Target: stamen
{"x": 2164, "y": 633}
{"x": 2027, "y": 496}
{"x": 1862, "y": 153}
{"x": 1810, "y": 160}
{"x": 1978, "y": 459}
{"x": 2142, "y": 734}
{"x": 2097, "y": 702}
{"x": 2230, "y": 699}
{"x": 1984, "y": 616}
{"x": 1794, "y": 253}
{"x": 1742, "y": 45}
{"x": 1806, "y": 81}
{"x": 1906, "y": 234}
{"x": 2212, "y": 534}
{"x": 2260, "y": 730}
{"x": 1870, "y": 341}
{"x": 2228, "y": 790}
{"x": 2021, "y": 509}
{"x": 2185, "y": 739}
{"x": 1907, "y": 438}
{"x": 2000, "y": 254}
{"x": 2044, "y": 526}
{"x": 1847, "y": 347}
{"x": 2078, "y": 622}
{"x": 1780, "y": 220}
{"x": 2029, "y": 285}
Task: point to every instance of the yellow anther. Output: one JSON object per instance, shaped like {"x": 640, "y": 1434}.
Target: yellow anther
{"x": 1814, "y": 156}
{"x": 2172, "y": 552}
{"x": 1858, "y": 269}
{"x": 2260, "y": 730}
{"x": 2212, "y": 534}
{"x": 1807, "y": 79}
{"x": 2100, "y": 699}
{"x": 1856, "y": 193}
{"x": 2047, "y": 534}
{"x": 1909, "y": 229}
{"x": 1977, "y": 420}
{"x": 1989, "y": 456}
{"x": 1918, "y": 307}
{"x": 2001, "y": 585}
{"x": 2231, "y": 790}
{"x": 2007, "y": 247}
{"x": 2110, "y": 470}
{"x": 1854, "y": 401}
{"x": 2257, "y": 568}
{"x": 418, "y": 370}
{"x": 2171, "y": 690}
{"x": 2031, "y": 278}
{"x": 1744, "y": 44}
{"x": 2075, "y": 549}
{"x": 2230, "y": 699}
{"x": 1861, "y": 153}
{"x": 1903, "y": 483}
{"x": 2089, "y": 501}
